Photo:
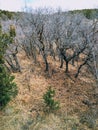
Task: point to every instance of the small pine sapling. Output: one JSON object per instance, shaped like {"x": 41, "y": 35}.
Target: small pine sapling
{"x": 48, "y": 97}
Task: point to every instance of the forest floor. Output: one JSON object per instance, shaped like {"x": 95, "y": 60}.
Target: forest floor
{"x": 76, "y": 96}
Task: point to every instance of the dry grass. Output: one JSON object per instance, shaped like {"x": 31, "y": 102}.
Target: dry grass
{"x": 25, "y": 112}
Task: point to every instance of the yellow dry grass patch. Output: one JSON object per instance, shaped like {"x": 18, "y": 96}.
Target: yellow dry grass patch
{"x": 33, "y": 82}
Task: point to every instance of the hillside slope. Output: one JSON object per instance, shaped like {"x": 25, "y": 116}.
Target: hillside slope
{"x": 27, "y": 110}
{"x": 78, "y": 102}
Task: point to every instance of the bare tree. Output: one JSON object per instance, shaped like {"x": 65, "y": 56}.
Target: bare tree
{"x": 35, "y": 35}
{"x": 89, "y": 34}
{"x": 72, "y": 36}
{"x": 11, "y": 58}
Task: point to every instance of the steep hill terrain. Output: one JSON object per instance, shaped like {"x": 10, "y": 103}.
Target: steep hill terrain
{"x": 76, "y": 96}
{"x": 27, "y": 110}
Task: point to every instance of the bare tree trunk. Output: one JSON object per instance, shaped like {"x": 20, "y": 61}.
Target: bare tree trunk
{"x": 95, "y": 64}
{"x": 17, "y": 63}
{"x": 61, "y": 66}
{"x": 85, "y": 62}
{"x": 73, "y": 61}
{"x": 67, "y": 63}
{"x": 46, "y": 62}
{"x": 12, "y": 60}
{"x": 10, "y": 63}
{"x": 27, "y": 51}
